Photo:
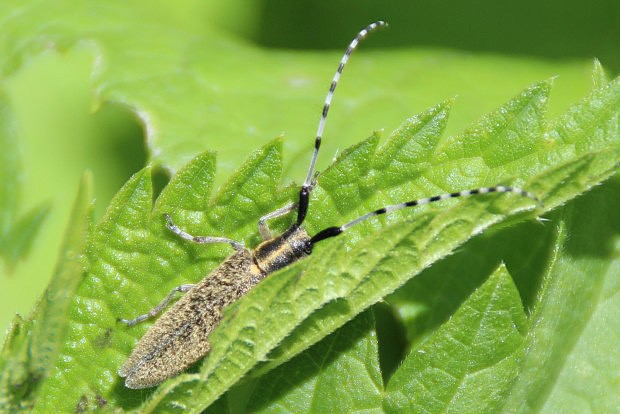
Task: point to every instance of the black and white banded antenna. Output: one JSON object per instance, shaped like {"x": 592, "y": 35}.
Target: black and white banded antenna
{"x": 336, "y": 230}
{"x": 304, "y": 194}
{"x": 306, "y": 189}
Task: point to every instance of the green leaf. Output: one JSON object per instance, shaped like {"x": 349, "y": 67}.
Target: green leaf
{"x": 51, "y": 313}
{"x": 570, "y": 354}
{"x": 313, "y": 381}
{"x": 32, "y": 347}
{"x": 469, "y": 364}
{"x": 113, "y": 87}
{"x": 15, "y": 381}
{"x": 192, "y": 86}
{"x": 133, "y": 261}
{"x": 16, "y": 233}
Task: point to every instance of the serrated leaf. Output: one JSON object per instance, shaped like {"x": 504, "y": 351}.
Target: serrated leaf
{"x": 134, "y": 261}
{"x": 569, "y": 355}
{"x": 339, "y": 290}
{"x": 174, "y": 74}
{"x": 466, "y": 366}
{"x": 429, "y": 299}
{"x": 312, "y": 382}
{"x": 404, "y": 244}
{"x": 166, "y": 50}
{"x": 469, "y": 364}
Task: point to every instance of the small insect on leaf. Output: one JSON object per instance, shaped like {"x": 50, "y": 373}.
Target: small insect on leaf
{"x": 180, "y": 336}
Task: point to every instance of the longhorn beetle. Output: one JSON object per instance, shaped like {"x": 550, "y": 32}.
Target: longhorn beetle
{"x": 181, "y": 335}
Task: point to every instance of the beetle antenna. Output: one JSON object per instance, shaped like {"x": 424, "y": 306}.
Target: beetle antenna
{"x": 304, "y": 194}
{"x": 335, "y": 231}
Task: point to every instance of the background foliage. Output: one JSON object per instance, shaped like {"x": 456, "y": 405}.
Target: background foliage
{"x": 167, "y": 83}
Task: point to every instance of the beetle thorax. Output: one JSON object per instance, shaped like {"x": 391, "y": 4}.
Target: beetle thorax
{"x": 281, "y": 251}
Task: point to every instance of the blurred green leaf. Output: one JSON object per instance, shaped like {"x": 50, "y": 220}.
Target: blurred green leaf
{"x": 16, "y": 233}
{"x": 16, "y": 384}
{"x": 32, "y": 346}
